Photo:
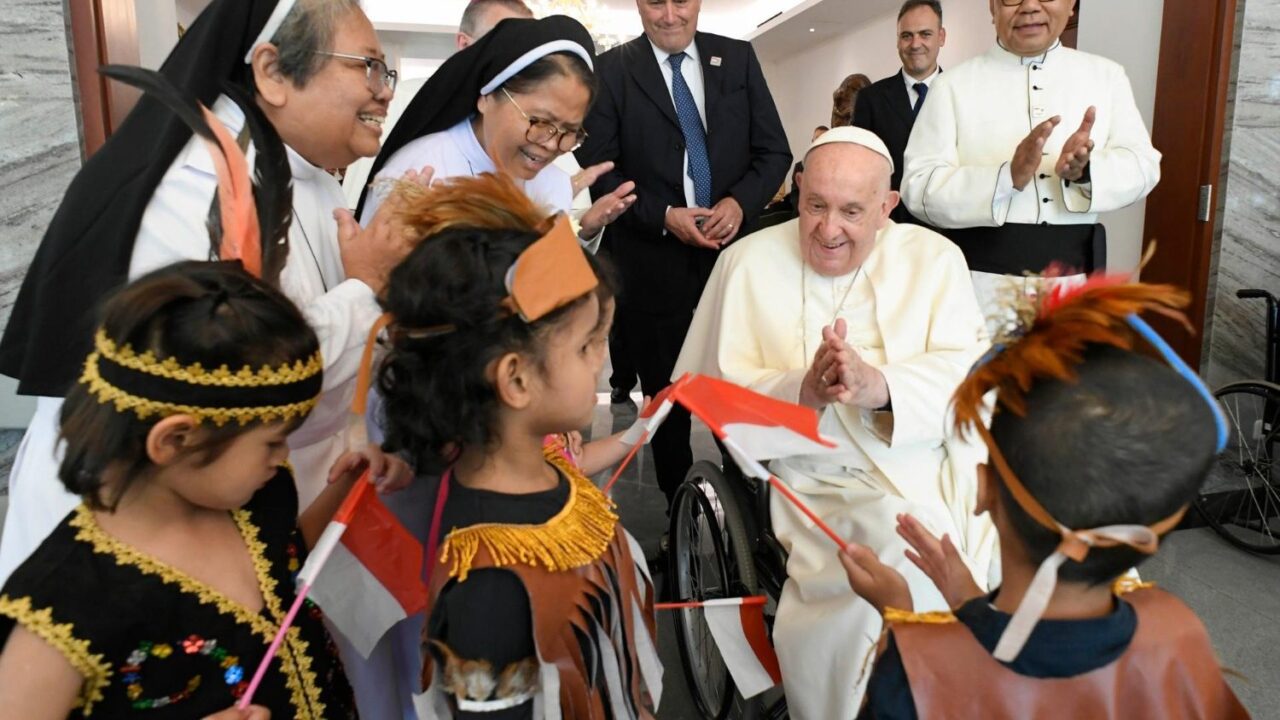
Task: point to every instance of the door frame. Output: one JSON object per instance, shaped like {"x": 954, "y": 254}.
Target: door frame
{"x": 102, "y": 32}
{"x": 1188, "y": 126}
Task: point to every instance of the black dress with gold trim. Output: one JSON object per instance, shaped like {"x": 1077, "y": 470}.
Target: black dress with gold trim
{"x": 152, "y": 641}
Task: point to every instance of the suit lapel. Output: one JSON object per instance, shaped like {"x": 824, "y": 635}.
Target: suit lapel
{"x": 712, "y": 76}
{"x": 644, "y": 68}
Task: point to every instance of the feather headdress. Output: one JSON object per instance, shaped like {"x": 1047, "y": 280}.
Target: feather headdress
{"x": 1047, "y": 341}
{"x": 247, "y": 221}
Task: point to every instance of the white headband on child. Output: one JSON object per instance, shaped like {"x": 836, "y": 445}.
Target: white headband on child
{"x": 533, "y": 56}
{"x": 271, "y": 28}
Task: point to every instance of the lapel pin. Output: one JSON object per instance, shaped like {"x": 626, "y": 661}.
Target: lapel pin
{"x": 715, "y": 61}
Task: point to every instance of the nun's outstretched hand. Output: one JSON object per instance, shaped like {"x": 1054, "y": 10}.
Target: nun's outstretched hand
{"x": 369, "y": 253}
{"x": 607, "y": 209}
{"x": 587, "y": 177}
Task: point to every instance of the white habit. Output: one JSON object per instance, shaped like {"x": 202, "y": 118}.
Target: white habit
{"x": 957, "y": 161}
{"x": 341, "y": 312}
{"x": 911, "y": 312}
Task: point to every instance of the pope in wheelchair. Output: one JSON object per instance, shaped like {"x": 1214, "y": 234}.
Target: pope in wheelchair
{"x": 873, "y": 324}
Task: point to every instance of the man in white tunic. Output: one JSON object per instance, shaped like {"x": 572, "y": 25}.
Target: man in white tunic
{"x": 1018, "y": 151}
{"x": 874, "y": 324}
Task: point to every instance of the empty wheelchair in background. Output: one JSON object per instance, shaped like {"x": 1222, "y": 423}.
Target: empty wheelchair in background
{"x": 721, "y": 546}
{"x": 1241, "y": 497}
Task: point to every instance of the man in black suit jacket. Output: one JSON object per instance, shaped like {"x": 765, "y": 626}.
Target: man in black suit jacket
{"x": 667, "y": 243}
{"x": 888, "y": 107}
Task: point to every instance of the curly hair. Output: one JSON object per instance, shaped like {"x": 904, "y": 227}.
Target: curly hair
{"x": 437, "y": 396}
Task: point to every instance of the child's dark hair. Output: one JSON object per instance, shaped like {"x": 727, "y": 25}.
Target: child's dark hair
{"x": 212, "y": 313}
{"x": 437, "y": 398}
{"x": 1129, "y": 442}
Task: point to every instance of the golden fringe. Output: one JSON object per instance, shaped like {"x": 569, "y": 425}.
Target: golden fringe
{"x": 295, "y": 665}
{"x": 144, "y": 408}
{"x": 1126, "y": 584}
{"x": 195, "y": 374}
{"x": 936, "y": 617}
{"x": 577, "y": 536}
{"x": 92, "y": 666}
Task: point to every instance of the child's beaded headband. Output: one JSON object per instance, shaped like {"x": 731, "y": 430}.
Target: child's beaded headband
{"x": 141, "y": 384}
{"x": 1046, "y": 342}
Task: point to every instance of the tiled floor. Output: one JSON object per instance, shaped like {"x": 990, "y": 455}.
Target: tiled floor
{"x": 1236, "y": 594}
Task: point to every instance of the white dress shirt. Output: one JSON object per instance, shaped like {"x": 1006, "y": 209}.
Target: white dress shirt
{"x": 910, "y": 82}
{"x": 691, "y": 70}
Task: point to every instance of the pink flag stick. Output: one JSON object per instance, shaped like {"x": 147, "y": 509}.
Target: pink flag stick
{"x": 271, "y": 651}
{"x": 625, "y": 461}
{"x": 307, "y": 575}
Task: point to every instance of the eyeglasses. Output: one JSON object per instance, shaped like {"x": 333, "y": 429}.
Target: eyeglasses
{"x": 376, "y": 72}
{"x": 540, "y": 131}
{"x": 1016, "y": 3}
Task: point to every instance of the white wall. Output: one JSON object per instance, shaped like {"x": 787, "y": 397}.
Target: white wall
{"x": 1127, "y": 31}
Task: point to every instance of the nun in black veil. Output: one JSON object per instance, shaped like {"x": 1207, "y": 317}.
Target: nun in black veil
{"x": 315, "y": 71}
{"x": 512, "y": 102}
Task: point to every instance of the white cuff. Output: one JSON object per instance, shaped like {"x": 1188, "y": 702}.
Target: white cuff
{"x": 1002, "y": 200}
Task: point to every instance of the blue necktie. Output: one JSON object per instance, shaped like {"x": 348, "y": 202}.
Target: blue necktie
{"x": 695, "y": 138}
{"x": 921, "y": 90}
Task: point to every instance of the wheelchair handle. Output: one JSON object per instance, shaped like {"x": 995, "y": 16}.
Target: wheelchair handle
{"x": 1253, "y": 294}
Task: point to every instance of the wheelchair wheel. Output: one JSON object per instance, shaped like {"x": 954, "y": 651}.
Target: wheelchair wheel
{"x": 1241, "y": 497}
{"x": 710, "y": 558}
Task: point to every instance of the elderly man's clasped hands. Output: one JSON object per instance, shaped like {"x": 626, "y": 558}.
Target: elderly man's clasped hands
{"x": 839, "y": 375}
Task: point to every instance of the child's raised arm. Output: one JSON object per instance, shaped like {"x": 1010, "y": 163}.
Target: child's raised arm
{"x": 36, "y": 681}
{"x": 939, "y": 561}
{"x": 389, "y": 473}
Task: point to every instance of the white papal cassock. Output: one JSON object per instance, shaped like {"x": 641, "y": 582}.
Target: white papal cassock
{"x": 911, "y": 312}
{"x": 957, "y": 172}
{"x": 341, "y": 312}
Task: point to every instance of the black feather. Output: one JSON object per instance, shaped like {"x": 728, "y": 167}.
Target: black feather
{"x": 187, "y": 108}
{"x": 272, "y": 186}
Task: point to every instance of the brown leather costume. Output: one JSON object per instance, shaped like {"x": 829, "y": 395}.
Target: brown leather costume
{"x": 1168, "y": 672}
{"x": 595, "y": 599}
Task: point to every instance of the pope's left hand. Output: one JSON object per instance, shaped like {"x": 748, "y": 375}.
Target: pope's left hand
{"x": 725, "y": 221}
{"x": 1077, "y": 150}
{"x": 388, "y": 472}
{"x": 607, "y": 209}
{"x": 851, "y": 380}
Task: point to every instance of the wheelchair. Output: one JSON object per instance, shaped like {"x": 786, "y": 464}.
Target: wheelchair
{"x": 721, "y": 545}
{"x": 1241, "y": 497}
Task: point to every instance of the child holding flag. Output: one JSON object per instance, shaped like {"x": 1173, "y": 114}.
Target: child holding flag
{"x": 538, "y": 596}
{"x": 159, "y": 594}
{"x": 1096, "y": 451}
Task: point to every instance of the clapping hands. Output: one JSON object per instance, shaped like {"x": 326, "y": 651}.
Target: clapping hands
{"x": 938, "y": 559}
{"x": 838, "y": 374}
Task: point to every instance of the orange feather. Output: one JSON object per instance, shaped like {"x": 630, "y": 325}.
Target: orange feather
{"x": 241, "y": 236}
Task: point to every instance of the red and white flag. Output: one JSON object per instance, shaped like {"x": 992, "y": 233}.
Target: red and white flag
{"x": 372, "y": 570}
{"x": 752, "y": 426}
{"x": 737, "y": 625}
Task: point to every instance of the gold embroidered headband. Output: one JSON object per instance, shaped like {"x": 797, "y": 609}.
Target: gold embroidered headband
{"x": 139, "y": 383}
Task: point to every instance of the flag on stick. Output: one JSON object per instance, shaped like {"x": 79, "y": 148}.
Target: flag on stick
{"x": 374, "y": 579}
{"x": 738, "y": 628}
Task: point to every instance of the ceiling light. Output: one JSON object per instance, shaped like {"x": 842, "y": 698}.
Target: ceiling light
{"x": 810, "y": 29}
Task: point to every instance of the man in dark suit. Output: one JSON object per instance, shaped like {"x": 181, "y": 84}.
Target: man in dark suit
{"x": 888, "y": 107}
{"x": 687, "y": 116}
